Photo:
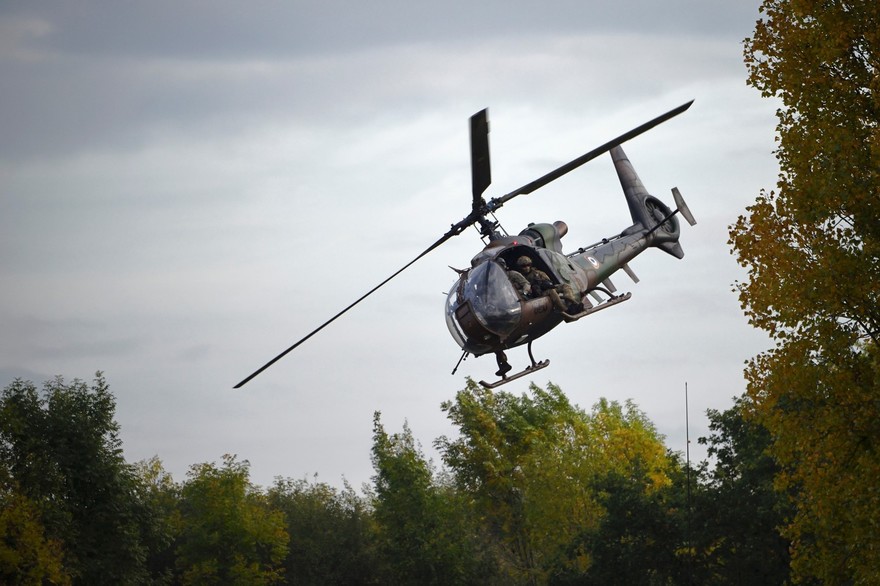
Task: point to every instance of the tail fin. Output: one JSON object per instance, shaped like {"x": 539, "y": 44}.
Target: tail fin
{"x": 648, "y": 212}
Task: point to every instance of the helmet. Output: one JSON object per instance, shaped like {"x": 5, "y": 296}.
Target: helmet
{"x": 523, "y": 261}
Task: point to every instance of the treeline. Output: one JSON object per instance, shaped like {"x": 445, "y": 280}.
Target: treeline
{"x": 531, "y": 490}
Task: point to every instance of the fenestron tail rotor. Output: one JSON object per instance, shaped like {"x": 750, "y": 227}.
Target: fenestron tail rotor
{"x": 481, "y": 178}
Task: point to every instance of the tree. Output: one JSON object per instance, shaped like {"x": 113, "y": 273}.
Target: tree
{"x": 332, "y": 533}
{"x": 161, "y": 495}
{"x": 823, "y": 414}
{"x": 510, "y": 453}
{"x": 63, "y": 454}
{"x": 812, "y": 251}
{"x": 228, "y": 533}
{"x": 737, "y": 511}
{"x": 427, "y": 533}
{"x": 531, "y": 462}
{"x": 640, "y": 535}
{"x": 27, "y": 556}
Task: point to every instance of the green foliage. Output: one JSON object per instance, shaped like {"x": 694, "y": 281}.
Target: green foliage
{"x": 27, "y": 556}
{"x": 161, "y": 496}
{"x": 63, "y": 451}
{"x": 537, "y": 491}
{"x": 531, "y": 462}
{"x": 820, "y": 58}
{"x": 228, "y": 534}
{"x": 332, "y": 534}
{"x": 640, "y": 534}
{"x": 427, "y": 531}
{"x": 737, "y": 512}
{"x": 812, "y": 252}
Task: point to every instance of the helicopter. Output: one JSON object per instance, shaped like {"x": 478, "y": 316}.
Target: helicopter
{"x": 518, "y": 288}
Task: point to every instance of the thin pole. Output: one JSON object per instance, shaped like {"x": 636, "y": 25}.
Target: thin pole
{"x": 687, "y": 434}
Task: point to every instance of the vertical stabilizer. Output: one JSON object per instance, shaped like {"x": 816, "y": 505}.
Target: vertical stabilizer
{"x": 633, "y": 188}
{"x": 648, "y": 212}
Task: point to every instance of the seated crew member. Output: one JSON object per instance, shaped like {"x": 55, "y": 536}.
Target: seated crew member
{"x": 541, "y": 285}
{"x": 537, "y": 278}
{"x": 519, "y": 281}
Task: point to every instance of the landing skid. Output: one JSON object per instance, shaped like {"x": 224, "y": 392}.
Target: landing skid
{"x": 506, "y": 379}
{"x": 568, "y": 317}
{"x": 535, "y": 366}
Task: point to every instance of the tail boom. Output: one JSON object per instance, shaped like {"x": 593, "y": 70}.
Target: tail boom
{"x": 648, "y": 212}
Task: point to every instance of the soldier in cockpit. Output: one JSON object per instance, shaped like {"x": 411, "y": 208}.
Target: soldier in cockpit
{"x": 519, "y": 281}
{"x": 542, "y": 285}
{"x": 537, "y": 278}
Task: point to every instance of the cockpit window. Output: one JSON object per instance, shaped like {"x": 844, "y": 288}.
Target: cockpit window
{"x": 451, "y": 321}
{"x": 493, "y": 298}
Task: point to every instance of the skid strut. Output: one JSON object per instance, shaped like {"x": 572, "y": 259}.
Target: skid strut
{"x": 535, "y": 366}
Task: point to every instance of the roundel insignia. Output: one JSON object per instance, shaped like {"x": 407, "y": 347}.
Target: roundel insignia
{"x": 593, "y": 262}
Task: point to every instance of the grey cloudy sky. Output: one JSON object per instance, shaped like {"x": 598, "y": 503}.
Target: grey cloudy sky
{"x": 186, "y": 188}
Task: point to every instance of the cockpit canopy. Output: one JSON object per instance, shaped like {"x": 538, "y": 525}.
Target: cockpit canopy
{"x": 482, "y": 308}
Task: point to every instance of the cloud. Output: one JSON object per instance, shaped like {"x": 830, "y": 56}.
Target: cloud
{"x": 146, "y": 73}
{"x": 188, "y": 188}
{"x": 225, "y": 28}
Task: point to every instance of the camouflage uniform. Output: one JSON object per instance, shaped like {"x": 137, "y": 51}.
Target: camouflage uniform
{"x": 520, "y": 282}
{"x": 537, "y": 278}
{"x": 541, "y": 284}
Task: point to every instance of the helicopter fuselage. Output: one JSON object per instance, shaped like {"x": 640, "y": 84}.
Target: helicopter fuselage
{"x": 486, "y": 313}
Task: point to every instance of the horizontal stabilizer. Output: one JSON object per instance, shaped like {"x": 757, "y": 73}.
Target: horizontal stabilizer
{"x": 683, "y": 207}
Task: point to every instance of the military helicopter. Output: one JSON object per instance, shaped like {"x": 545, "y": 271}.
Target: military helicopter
{"x": 492, "y": 307}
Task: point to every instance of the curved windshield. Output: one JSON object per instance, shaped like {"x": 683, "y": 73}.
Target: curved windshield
{"x": 487, "y": 294}
{"x": 493, "y": 298}
{"x": 451, "y": 322}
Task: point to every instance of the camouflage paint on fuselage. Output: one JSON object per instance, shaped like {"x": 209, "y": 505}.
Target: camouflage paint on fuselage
{"x": 483, "y": 317}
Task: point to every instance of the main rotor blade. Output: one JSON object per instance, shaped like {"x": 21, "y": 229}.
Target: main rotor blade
{"x": 481, "y": 173}
{"x": 481, "y": 178}
{"x": 455, "y": 230}
{"x": 497, "y": 202}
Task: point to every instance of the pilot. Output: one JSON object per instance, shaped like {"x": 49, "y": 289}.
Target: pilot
{"x": 542, "y": 285}
{"x": 537, "y": 278}
{"x": 519, "y": 281}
